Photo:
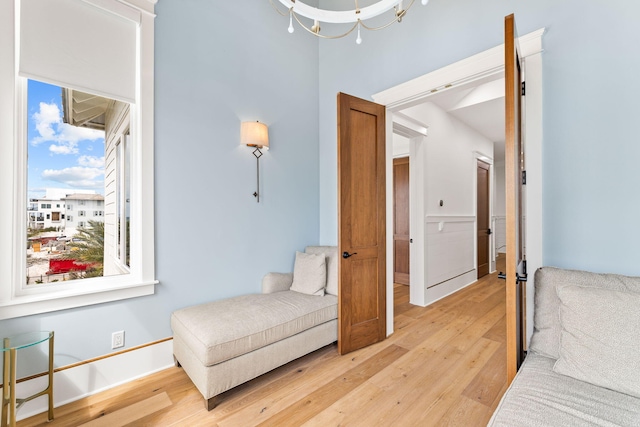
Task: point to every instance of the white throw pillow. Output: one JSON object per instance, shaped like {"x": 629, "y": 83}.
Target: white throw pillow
{"x": 332, "y": 260}
{"x": 600, "y": 337}
{"x": 309, "y": 274}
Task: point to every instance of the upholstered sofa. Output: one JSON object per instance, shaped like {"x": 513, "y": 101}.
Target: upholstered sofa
{"x": 222, "y": 344}
{"x": 583, "y": 364}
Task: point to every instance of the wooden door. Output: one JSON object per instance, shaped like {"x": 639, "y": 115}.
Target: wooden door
{"x": 361, "y": 223}
{"x": 401, "y": 220}
{"x": 514, "y": 177}
{"x": 482, "y": 217}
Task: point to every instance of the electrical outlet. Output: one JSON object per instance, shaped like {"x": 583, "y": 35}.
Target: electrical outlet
{"x": 117, "y": 339}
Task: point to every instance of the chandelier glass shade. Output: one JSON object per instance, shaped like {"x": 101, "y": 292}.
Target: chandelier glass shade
{"x": 356, "y": 16}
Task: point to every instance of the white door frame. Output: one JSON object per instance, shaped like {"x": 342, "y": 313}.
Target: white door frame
{"x": 488, "y": 160}
{"x": 482, "y": 66}
{"x": 417, "y": 134}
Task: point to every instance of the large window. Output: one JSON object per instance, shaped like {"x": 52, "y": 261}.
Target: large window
{"x": 101, "y": 49}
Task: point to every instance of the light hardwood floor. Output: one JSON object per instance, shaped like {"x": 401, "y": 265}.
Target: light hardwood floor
{"x": 444, "y": 365}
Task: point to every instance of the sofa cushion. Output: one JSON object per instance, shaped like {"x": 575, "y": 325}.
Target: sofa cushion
{"x": 309, "y": 274}
{"x": 599, "y": 338}
{"x": 332, "y": 260}
{"x": 546, "y": 319}
{"x": 221, "y": 330}
{"x": 539, "y": 397}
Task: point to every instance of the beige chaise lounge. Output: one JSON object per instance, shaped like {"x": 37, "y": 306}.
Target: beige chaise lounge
{"x": 222, "y": 344}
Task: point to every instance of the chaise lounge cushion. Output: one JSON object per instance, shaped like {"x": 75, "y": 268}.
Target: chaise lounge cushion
{"x": 214, "y": 332}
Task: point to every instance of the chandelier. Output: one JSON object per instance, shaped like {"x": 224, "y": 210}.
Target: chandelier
{"x": 356, "y": 16}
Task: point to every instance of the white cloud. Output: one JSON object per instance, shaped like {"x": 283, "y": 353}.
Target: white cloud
{"x": 47, "y": 116}
{"x": 50, "y": 128}
{"x": 65, "y": 148}
{"x": 76, "y": 176}
{"x": 91, "y": 161}
{"x": 66, "y": 132}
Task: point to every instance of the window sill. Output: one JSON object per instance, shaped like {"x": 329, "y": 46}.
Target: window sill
{"x": 26, "y": 305}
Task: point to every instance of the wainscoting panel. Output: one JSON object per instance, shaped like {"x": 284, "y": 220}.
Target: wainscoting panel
{"x": 450, "y": 257}
{"x": 500, "y": 233}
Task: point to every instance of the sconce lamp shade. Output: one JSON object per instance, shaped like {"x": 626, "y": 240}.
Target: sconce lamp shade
{"x": 254, "y": 134}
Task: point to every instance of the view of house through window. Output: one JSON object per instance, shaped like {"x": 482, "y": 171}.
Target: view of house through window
{"x": 78, "y": 185}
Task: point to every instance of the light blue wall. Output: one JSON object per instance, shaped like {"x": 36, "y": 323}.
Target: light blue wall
{"x": 217, "y": 63}
{"x": 591, "y": 142}
{"x": 591, "y": 103}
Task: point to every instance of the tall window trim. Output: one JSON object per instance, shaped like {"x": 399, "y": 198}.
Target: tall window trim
{"x": 15, "y": 299}
{"x": 121, "y": 257}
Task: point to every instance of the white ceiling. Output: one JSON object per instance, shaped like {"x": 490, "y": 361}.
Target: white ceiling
{"x": 480, "y": 106}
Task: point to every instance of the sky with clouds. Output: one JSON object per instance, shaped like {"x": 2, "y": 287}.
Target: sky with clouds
{"x": 60, "y": 155}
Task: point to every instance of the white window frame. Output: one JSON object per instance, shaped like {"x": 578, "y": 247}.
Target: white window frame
{"x": 122, "y": 171}
{"x": 16, "y": 299}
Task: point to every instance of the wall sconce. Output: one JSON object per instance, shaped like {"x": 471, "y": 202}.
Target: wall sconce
{"x": 255, "y": 134}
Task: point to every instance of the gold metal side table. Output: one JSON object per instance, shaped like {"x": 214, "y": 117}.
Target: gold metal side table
{"x": 10, "y": 347}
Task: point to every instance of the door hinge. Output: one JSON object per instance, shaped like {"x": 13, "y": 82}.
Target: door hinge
{"x": 523, "y": 88}
{"x": 524, "y": 177}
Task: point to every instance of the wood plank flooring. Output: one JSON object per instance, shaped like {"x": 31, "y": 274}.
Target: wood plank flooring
{"x": 443, "y": 366}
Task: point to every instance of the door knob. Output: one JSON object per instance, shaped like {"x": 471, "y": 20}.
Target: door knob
{"x": 347, "y": 254}
{"x": 489, "y": 232}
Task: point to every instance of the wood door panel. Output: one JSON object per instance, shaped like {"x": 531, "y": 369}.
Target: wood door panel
{"x": 364, "y": 303}
{"x": 401, "y": 221}
{"x": 401, "y": 261}
{"x": 482, "y": 218}
{"x": 364, "y": 189}
{"x": 401, "y": 195}
{"x": 483, "y": 254}
{"x": 361, "y": 334}
{"x": 361, "y": 223}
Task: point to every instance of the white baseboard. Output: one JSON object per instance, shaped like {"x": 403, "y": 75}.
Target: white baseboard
{"x": 84, "y": 380}
{"x": 451, "y": 286}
